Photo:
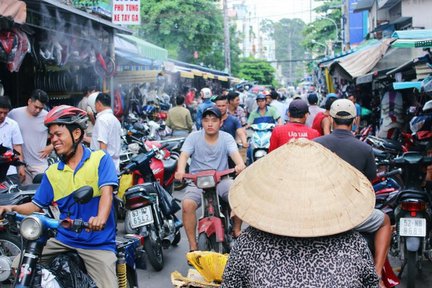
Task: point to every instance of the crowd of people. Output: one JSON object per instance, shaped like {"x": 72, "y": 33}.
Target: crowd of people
{"x": 264, "y": 196}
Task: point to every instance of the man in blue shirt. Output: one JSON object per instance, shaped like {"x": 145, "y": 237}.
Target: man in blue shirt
{"x": 78, "y": 167}
{"x": 205, "y": 96}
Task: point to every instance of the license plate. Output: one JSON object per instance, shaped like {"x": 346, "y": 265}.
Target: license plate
{"x": 140, "y": 217}
{"x": 412, "y": 227}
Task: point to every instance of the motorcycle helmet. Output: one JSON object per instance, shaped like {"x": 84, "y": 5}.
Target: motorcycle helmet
{"x": 260, "y": 96}
{"x": 427, "y": 107}
{"x": 66, "y": 115}
{"x": 92, "y": 101}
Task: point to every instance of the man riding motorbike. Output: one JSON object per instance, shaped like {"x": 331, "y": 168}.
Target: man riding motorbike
{"x": 208, "y": 150}
{"x": 78, "y": 166}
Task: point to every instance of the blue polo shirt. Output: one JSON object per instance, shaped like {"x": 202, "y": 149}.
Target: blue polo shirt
{"x": 271, "y": 116}
{"x": 230, "y": 125}
{"x": 95, "y": 169}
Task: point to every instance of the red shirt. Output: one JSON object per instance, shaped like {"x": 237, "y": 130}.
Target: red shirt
{"x": 190, "y": 97}
{"x": 282, "y": 134}
{"x": 317, "y": 122}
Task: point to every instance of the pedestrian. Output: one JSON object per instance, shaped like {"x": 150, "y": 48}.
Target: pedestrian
{"x": 274, "y": 101}
{"x": 322, "y": 122}
{"x": 231, "y": 124}
{"x": 10, "y": 137}
{"x": 35, "y": 135}
{"x": 179, "y": 119}
{"x": 360, "y": 155}
{"x": 298, "y": 113}
{"x": 235, "y": 109}
{"x": 83, "y": 105}
{"x": 356, "y": 123}
{"x": 301, "y": 215}
{"x": 206, "y": 94}
{"x": 314, "y": 109}
{"x": 107, "y": 129}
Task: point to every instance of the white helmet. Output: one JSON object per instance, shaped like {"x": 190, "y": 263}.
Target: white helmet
{"x": 427, "y": 106}
{"x": 91, "y": 102}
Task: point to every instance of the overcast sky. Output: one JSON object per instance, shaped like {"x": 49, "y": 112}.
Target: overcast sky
{"x": 278, "y": 9}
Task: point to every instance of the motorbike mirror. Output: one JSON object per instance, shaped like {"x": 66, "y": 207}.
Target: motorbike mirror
{"x": 38, "y": 178}
{"x": 83, "y": 195}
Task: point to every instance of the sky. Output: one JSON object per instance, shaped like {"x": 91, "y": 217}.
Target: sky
{"x": 278, "y": 9}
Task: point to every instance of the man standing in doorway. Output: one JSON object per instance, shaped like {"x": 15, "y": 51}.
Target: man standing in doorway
{"x": 30, "y": 119}
{"x": 107, "y": 130}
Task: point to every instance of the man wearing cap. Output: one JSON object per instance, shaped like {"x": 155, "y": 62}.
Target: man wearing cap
{"x": 295, "y": 128}
{"x": 360, "y": 155}
{"x": 209, "y": 150}
{"x": 264, "y": 113}
{"x": 314, "y": 109}
{"x": 206, "y": 94}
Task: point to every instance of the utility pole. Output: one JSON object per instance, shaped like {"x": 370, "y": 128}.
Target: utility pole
{"x": 227, "y": 37}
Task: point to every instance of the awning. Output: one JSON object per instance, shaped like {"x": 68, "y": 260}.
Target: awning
{"x": 146, "y": 49}
{"x": 407, "y": 85}
{"x": 35, "y": 7}
{"x": 133, "y": 58}
{"x": 14, "y": 10}
{"x": 186, "y": 74}
{"x": 384, "y": 4}
{"x": 413, "y": 43}
{"x": 412, "y": 34}
{"x": 364, "y": 60}
{"x": 409, "y": 64}
{"x": 210, "y": 76}
{"x": 197, "y": 72}
{"x": 362, "y": 5}
{"x": 222, "y": 78}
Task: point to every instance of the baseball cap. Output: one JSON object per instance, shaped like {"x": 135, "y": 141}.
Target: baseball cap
{"x": 343, "y": 109}
{"x": 260, "y": 96}
{"x": 212, "y": 110}
{"x": 312, "y": 98}
{"x": 206, "y": 92}
{"x": 298, "y": 108}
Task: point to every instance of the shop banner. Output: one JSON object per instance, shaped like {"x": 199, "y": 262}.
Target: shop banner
{"x": 126, "y": 12}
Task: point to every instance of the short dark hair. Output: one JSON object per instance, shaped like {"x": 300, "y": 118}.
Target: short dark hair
{"x": 329, "y": 102}
{"x": 180, "y": 100}
{"x": 5, "y": 103}
{"x": 104, "y": 99}
{"x": 221, "y": 98}
{"x": 274, "y": 95}
{"x": 232, "y": 96}
{"x": 39, "y": 95}
{"x": 346, "y": 122}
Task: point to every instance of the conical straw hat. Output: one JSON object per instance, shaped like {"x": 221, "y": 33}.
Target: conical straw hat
{"x": 302, "y": 189}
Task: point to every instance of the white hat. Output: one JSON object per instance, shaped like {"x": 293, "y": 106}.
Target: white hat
{"x": 206, "y": 93}
{"x": 343, "y": 109}
{"x": 302, "y": 189}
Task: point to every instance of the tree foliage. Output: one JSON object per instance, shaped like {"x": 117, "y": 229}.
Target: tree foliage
{"x": 183, "y": 27}
{"x": 256, "y": 70}
{"x": 323, "y": 30}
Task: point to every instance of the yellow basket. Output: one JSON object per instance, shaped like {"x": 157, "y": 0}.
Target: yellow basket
{"x": 210, "y": 265}
{"x": 126, "y": 181}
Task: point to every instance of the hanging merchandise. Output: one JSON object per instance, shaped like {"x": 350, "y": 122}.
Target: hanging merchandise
{"x": 14, "y": 44}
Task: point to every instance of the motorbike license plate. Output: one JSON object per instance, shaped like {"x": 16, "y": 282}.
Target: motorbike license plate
{"x": 415, "y": 227}
{"x": 140, "y": 217}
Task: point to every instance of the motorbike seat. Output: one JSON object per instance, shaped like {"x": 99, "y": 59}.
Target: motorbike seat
{"x": 418, "y": 195}
{"x": 144, "y": 188}
{"x": 170, "y": 166}
{"x": 13, "y": 198}
{"x": 29, "y": 187}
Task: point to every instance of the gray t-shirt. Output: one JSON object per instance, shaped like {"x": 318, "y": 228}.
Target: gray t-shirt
{"x": 208, "y": 157}
{"x": 34, "y": 133}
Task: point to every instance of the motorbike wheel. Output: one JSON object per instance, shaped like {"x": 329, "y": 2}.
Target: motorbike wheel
{"x": 153, "y": 248}
{"x": 177, "y": 238}
{"x": 10, "y": 245}
{"x": 209, "y": 244}
{"x": 412, "y": 268}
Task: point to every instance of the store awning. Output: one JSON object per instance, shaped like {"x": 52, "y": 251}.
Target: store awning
{"x": 384, "y": 4}
{"x": 186, "y": 74}
{"x": 421, "y": 38}
{"x": 14, "y": 10}
{"x": 222, "y": 78}
{"x": 362, "y": 61}
{"x": 133, "y": 58}
{"x": 146, "y": 49}
{"x": 362, "y": 5}
{"x": 412, "y": 34}
{"x": 409, "y": 64}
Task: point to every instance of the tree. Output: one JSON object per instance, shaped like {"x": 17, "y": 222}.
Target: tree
{"x": 323, "y": 30}
{"x": 258, "y": 70}
{"x": 183, "y": 27}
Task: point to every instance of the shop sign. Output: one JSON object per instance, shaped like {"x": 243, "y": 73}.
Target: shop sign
{"x": 126, "y": 12}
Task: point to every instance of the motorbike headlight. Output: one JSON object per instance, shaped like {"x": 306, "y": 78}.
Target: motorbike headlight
{"x": 31, "y": 228}
{"x": 260, "y": 154}
{"x": 205, "y": 182}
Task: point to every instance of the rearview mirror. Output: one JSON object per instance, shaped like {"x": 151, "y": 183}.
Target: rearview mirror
{"x": 83, "y": 195}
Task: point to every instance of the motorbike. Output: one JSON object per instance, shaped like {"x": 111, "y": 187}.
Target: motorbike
{"x": 413, "y": 217}
{"x": 214, "y": 226}
{"x": 37, "y": 228}
{"x": 260, "y": 141}
{"x": 150, "y": 209}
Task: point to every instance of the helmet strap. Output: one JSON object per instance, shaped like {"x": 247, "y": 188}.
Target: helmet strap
{"x": 66, "y": 157}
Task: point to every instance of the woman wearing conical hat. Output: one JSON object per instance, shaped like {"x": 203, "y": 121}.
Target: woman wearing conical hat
{"x": 300, "y": 232}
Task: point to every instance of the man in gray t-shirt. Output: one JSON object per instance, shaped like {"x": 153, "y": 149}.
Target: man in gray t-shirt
{"x": 209, "y": 150}
{"x": 30, "y": 120}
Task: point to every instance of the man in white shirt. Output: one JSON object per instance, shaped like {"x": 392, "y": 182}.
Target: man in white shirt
{"x": 107, "y": 129}
{"x": 10, "y": 136}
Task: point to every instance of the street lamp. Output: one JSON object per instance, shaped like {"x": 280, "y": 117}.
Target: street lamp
{"x": 321, "y": 44}
{"x": 336, "y": 27}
